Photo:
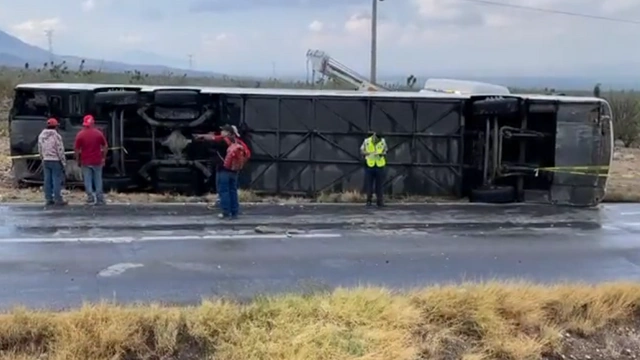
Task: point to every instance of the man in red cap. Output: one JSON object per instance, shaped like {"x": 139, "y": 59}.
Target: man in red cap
{"x": 51, "y": 150}
{"x": 91, "y": 150}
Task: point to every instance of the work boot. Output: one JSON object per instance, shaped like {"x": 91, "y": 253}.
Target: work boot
{"x": 369, "y": 204}
{"x": 61, "y": 203}
{"x": 90, "y": 201}
{"x": 49, "y": 203}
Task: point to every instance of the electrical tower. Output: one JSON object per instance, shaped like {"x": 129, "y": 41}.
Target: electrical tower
{"x": 49, "y": 34}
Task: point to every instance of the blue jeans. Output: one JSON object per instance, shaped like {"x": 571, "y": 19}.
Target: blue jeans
{"x": 53, "y": 178}
{"x": 227, "y": 183}
{"x": 92, "y": 176}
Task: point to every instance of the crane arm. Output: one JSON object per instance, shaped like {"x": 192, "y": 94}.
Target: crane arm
{"x": 330, "y": 67}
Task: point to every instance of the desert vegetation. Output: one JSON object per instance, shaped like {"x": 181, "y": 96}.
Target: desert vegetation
{"x": 624, "y": 184}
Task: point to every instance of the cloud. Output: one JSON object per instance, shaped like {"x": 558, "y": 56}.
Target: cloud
{"x": 355, "y": 33}
{"x": 236, "y": 5}
{"x": 131, "y": 39}
{"x": 88, "y": 5}
{"x": 38, "y": 25}
{"x": 33, "y": 31}
{"x": 316, "y": 26}
{"x": 219, "y": 44}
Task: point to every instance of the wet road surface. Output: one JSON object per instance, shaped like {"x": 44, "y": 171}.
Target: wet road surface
{"x": 61, "y": 257}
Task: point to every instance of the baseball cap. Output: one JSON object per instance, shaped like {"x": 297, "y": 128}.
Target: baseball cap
{"x": 52, "y": 122}
{"x": 88, "y": 120}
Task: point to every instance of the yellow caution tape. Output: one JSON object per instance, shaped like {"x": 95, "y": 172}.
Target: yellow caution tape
{"x": 35, "y": 156}
{"x": 595, "y": 170}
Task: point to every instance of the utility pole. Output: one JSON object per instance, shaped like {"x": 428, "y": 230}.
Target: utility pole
{"x": 190, "y": 61}
{"x": 49, "y": 34}
{"x": 374, "y": 40}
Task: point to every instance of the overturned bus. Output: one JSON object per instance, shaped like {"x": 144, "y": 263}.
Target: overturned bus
{"x": 490, "y": 148}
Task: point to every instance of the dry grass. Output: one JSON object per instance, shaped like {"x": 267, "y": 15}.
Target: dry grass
{"x": 473, "y": 321}
{"x": 624, "y": 184}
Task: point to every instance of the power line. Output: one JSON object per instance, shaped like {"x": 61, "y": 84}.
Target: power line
{"x": 552, "y": 11}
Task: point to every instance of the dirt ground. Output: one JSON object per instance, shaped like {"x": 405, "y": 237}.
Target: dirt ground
{"x": 505, "y": 321}
{"x": 623, "y": 186}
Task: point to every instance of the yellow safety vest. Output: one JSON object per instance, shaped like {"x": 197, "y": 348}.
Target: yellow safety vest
{"x": 376, "y": 159}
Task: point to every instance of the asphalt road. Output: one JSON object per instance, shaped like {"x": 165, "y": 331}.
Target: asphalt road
{"x": 179, "y": 254}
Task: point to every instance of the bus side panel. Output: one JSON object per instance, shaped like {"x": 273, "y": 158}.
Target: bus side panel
{"x": 579, "y": 143}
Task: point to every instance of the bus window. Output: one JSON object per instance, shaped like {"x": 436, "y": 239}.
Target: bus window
{"x": 75, "y": 106}
{"x": 55, "y": 107}
{"x": 29, "y": 103}
{"x": 37, "y": 103}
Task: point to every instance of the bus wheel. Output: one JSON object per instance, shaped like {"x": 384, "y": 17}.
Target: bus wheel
{"x": 494, "y": 195}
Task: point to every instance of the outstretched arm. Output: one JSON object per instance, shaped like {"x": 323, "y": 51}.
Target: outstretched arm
{"x": 209, "y": 137}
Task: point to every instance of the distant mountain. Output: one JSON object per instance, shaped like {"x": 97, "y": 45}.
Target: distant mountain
{"x": 15, "y": 52}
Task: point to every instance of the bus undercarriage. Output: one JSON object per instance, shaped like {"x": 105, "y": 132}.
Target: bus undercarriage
{"x": 491, "y": 149}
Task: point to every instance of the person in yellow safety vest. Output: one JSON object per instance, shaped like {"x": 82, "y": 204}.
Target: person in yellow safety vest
{"x": 374, "y": 149}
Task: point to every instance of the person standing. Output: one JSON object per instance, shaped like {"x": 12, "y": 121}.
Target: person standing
{"x": 91, "y": 150}
{"x": 237, "y": 155}
{"x": 54, "y": 161}
{"x": 374, "y": 149}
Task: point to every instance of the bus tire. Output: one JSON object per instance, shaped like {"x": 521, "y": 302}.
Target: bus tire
{"x": 116, "y": 98}
{"x": 176, "y": 97}
{"x": 493, "y": 195}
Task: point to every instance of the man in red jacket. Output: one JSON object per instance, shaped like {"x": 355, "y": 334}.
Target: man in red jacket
{"x": 91, "y": 151}
{"x": 227, "y": 172}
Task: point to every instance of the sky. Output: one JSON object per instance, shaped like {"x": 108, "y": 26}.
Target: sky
{"x": 271, "y": 37}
